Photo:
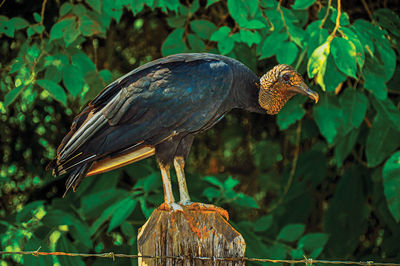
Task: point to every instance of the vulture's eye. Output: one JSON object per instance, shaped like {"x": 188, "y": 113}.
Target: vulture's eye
{"x": 286, "y": 77}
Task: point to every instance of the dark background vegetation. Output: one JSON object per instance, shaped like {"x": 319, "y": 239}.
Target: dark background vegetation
{"x": 321, "y": 181}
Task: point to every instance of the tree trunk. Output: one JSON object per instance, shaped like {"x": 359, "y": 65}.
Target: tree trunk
{"x": 189, "y": 234}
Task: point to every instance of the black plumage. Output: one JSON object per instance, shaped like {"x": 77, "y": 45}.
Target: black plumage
{"x": 160, "y": 106}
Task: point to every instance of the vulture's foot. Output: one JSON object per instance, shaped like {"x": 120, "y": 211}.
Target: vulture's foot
{"x": 197, "y": 206}
{"x": 172, "y": 206}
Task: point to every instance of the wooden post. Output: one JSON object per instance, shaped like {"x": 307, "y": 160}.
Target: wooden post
{"x": 189, "y": 233}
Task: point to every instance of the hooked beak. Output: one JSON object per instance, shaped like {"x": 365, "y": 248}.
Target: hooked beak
{"x": 302, "y": 88}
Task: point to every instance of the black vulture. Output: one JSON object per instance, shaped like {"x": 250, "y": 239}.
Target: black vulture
{"x": 158, "y": 108}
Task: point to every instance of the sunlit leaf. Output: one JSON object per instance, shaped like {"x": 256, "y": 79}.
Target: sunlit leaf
{"x": 316, "y": 66}
{"x": 54, "y": 89}
{"x": 344, "y": 53}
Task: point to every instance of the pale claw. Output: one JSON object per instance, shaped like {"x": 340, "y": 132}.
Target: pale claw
{"x": 170, "y": 207}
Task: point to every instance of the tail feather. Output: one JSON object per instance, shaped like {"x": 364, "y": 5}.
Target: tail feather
{"x": 76, "y": 177}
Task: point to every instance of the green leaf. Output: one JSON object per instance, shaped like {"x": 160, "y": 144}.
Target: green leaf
{"x": 333, "y": 77}
{"x": 7, "y": 27}
{"x": 242, "y": 10}
{"x": 176, "y": 21}
{"x": 64, "y": 245}
{"x": 316, "y": 65}
{"x": 253, "y": 24}
{"x": 250, "y": 37}
{"x": 246, "y": 201}
{"x": 102, "y": 199}
{"x": 287, "y": 53}
{"x": 89, "y": 27}
{"x": 316, "y": 36}
{"x": 291, "y": 112}
{"x": 174, "y": 43}
{"x": 210, "y": 2}
{"x": 10, "y": 97}
{"x": 391, "y": 184}
{"x": 382, "y": 140}
{"x": 220, "y": 34}
{"x": 387, "y": 110}
{"x": 344, "y": 18}
{"x": 113, "y": 9}
{"x": 387, "y": 57}
{"x": 346, "y": 218}
{"x": 344, "y": 53}
{"x": 328, "y": 117}
{"x": 313, "y": 242}
{"x": 73, "y": 79}
{"x": 65, "y": 28}
{"x": 54, "y": 89}
{"x": 353, "y": 38}
{"x": 65, "y": 8}
{"x": 230, "y": 183}
{"x": 263, "y": 223}
{"x": 203, "y": 28}
{"x": 389, "y": 20}
{"x": 213, "y": 180}
{"x": 344, "y": 146}
{"x": 123, "y": 209}
{"x": 354, "y": 105}
{"x": 37, "y": 17}
{"x": 95, "y": 5}
{"x": 19, "y": 23}
{"x": 272, "y": 44}
{"x": 211, "y": 193}
{"x": 83, "y": 63}
{"x": 226, "y": 46}
{"x": 291, "y": 232}
{"x": 196, "y": 44}
{"x": 374, "y": 79}
{"x": 302, "y": 4}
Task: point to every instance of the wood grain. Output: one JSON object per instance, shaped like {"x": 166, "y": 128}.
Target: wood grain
{"x": 189, "y": 234}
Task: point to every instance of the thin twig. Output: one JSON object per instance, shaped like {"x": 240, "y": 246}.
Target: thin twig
{"x": 327, "y": 14}
{"x": 339, "y": 14}
{"x": 367, "y": 9}
{"x": 2, "y": 2}
{"x": 42, "y": 12}
{"x": 265, "y": 17}
{"x": 292, "y": 169}
{"x": 283, "y": 19}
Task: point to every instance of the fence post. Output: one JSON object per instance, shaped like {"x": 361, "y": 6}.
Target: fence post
{"x": 189, "y": 234}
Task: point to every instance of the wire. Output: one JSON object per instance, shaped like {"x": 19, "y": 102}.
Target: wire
{"x": 113, "y": 255}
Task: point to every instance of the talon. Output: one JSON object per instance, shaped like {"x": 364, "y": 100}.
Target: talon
{"x": 170, "y": 207}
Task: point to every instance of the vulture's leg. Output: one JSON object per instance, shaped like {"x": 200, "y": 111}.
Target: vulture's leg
{"x": 169, "y": 201}
{"x": 179, "y": 163}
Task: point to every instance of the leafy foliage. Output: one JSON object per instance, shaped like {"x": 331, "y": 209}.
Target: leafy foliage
{"x": 322, "y": 181}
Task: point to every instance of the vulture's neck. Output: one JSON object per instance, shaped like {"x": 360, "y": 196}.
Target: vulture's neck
{"x": 245, "y": 90}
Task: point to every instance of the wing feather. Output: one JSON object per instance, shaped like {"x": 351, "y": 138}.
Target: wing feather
{"x": 144, "y": 107}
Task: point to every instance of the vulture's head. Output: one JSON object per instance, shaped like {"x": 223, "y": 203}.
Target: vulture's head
{"x": 279, "y": 85}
